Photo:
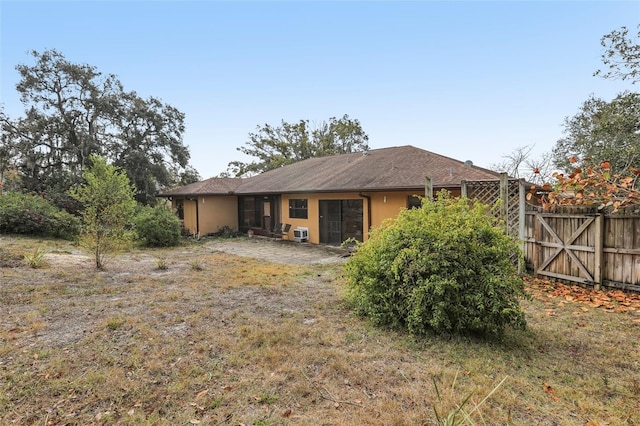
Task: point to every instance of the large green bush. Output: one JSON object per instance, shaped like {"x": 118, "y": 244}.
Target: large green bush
{"x": 158, "y": 227}
{"x": 33, "y": 215}
{"x": 445, "y": 267}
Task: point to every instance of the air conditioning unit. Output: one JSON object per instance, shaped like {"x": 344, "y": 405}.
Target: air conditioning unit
{"x": 301, "y": 234}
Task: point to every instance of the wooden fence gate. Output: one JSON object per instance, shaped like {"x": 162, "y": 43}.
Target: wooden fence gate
{"x": 584, "y": 246}
{"x": 568, "y": 247}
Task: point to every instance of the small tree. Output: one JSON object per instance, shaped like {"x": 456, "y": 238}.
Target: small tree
{"x": 109, "y": 206}
{"x": 520, "y": 164}
{"x": 445, "y": 267}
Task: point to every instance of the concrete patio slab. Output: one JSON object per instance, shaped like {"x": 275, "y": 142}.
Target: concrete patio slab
{"x": 280, "y": 251}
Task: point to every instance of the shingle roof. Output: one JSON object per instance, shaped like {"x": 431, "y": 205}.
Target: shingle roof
{"x": 212, "y": 186}
{"x": 395, "y": 168}
{"x": 403, "y": 167}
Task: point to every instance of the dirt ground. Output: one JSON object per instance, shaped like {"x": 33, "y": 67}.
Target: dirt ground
{"x": 65, "y": 325}
{"x": 256, "y": 333}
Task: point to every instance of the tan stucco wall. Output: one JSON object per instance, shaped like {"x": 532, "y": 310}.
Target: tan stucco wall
{"x": 190, "y": 216}
{"x": 220, "y": 210}
{"x": 215, "y": 211}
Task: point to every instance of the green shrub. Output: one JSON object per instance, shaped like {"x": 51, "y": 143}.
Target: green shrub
{"x": 64, "y": 225}
{"x": 33, "y": 215}
{"x": 445, "y": 267}
{"x": 158, "y": 227}
{"x": 225, "y": 232}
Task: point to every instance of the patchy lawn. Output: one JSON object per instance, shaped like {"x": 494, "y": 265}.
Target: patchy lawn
{"x": 220, "y": 339}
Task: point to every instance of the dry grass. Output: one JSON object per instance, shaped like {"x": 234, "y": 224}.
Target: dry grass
{"x": 239, "y": 341}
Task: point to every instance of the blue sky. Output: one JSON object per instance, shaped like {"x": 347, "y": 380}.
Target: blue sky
{"x": 470, "y": 80}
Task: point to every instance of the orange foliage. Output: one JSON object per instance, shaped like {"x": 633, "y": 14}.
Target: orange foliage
{"x": 594, "y": 186}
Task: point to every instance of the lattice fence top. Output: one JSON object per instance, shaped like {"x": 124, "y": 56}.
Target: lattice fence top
{"x": 488, "y": 192}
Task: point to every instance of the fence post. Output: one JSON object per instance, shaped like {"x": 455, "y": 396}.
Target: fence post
{"x": 521, "y": 218}
{"x": 599, "y": 246}
{"x": 428, "y": 188}
{"x": 504, "y": 199}
{"x": 537, "y": 235}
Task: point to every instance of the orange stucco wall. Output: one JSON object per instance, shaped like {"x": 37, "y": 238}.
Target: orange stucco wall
{"x": 217, "y": 211}
{"x": 383, "y": 205}
{"x": 312, "y": 221}
{"x": 388, "y": 204}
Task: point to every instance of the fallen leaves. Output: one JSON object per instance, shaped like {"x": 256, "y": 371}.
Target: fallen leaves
{"x": 286, "y": 414}
{"x": 549, "y": 390}
{"x": 610, "y": 300}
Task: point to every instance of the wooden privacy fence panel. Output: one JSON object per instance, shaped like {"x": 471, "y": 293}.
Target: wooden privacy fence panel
{"x": 621, "y": 250}
{"x": 583, "y": 246}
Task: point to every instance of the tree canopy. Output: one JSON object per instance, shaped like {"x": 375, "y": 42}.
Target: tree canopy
{"x": 622, "y": 55}
{"x": 602, "y": 131}
{"x": 73, "y": 111}
{"x": 288, "y": 143}
{"x": 606, "y": 131}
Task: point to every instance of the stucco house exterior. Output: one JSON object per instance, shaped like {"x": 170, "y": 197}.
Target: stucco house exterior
{"x": 335, "y": 197}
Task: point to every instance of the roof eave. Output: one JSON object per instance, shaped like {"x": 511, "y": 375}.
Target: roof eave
{"x": 336, "y": 190}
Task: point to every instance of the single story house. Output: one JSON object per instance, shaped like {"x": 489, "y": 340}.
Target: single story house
{"x": 332, "y": 198}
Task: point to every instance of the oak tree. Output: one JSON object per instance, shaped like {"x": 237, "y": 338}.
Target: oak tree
{"x": 277, "y": 146}
{"x": 73, "y": 111}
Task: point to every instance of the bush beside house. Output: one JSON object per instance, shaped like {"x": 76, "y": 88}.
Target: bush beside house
{"x": 445, "y": 267}
{"x": 158, "y": 226}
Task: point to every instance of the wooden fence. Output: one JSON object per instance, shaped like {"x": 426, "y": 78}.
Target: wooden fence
{"x": 584, "y": 246}
{"x": 571, "y": 244}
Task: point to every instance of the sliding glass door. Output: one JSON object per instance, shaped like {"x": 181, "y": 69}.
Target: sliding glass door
{"x": 340, "y": 220}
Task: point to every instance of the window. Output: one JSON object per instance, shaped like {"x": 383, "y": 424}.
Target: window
{"x": 180, "y": 209}
{"x": 414, "y": 202}
{"x": 249, "y": 217}
{"x": 298, "y": 208}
